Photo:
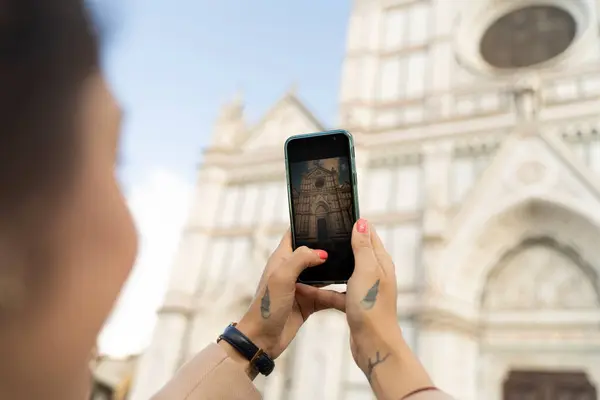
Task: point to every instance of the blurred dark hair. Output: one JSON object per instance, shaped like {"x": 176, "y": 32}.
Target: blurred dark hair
{"x": 47, "y": 49}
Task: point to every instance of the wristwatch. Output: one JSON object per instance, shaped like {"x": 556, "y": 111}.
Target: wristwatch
{"x": 259, "y": 360}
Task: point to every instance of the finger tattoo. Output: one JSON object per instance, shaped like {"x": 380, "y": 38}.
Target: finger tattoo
{"x": 265, "y": 304}
{"x": 373, "y": 363}
{"x": 369, "y": 300}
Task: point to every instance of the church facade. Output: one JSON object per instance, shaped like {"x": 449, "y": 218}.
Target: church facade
{"x": 477, "y": 126}
{"x": 323, "y": 206}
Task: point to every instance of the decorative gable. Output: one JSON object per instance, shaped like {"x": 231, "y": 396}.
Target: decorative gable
{"x": 318, "y": 172}
{"x": 319, "y": 199}
{"x": 288, "y": 117}
{"x": 528, "y": 166}
{"x": 534, "y": 188}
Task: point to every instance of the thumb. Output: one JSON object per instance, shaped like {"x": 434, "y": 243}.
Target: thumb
{"x": 301, "y": 258}
{"x": 365, "y": 260}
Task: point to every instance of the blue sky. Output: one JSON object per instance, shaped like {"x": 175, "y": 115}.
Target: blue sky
{"x": 172, "y": 64}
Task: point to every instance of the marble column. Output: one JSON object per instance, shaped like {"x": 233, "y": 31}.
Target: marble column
{"x": 277, "y": 385}
{"x": 164, "y": 355}
{"x": 451, "y": 356}
{"x": 441, "y": 341}
{"x": 160, "y": 360}
{"x": 437, "y": 162}
{"x": 317, "y": 367}
{"x": 362, "y": 170}
{"x": 166, "y": 351}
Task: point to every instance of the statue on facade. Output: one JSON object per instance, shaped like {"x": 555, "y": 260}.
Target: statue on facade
{"x": 527, "y": 99}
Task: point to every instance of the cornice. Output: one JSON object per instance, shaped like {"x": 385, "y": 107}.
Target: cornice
{"x": 437, "y": 319}
{"x": 177, "y": 303}
{"x": 442, "y": 320}
{"x": 401, "y": 145}
{"x": 387, "y": 219}
{"x": 401, "y": 4}
{"x": 394, "y": 218}
{"x": 562, "y": 316}
{"x": 237, "y": 231}
{"x": 241, "y": 158}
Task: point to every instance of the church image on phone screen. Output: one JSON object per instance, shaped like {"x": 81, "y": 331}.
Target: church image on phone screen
{"x": 322, "y": 202}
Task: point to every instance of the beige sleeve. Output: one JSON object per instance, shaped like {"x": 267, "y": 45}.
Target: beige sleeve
{"x": 211, "y": 374}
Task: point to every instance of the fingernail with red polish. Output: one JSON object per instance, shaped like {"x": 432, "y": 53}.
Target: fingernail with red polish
{"x": 362, "y": 226}
{"x": 322, "y": 254}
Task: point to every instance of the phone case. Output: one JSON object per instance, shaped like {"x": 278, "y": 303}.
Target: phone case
{"x": 354, "y": 179}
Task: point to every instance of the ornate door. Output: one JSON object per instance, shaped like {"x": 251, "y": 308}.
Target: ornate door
{"x": 322, "y": 234}
{"x": 542, "y": 385}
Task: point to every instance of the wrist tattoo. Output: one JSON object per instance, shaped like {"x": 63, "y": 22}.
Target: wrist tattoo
{"x": 373, "y": 363}
{"x": 265, "y": 304}
{"x": 369, "y": 300}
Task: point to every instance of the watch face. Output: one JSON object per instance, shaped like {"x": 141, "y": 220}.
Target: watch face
{"x": 528, "y": 36}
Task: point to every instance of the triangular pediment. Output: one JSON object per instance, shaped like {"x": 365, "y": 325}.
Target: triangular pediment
{"x": 318, "y": 171}
{"x": 527, "y": 166}
{"x": 288, "y": 117}
{"x": 534, "y": 189}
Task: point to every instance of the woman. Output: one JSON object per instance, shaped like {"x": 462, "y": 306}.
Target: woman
{"x": 67, "y": 241}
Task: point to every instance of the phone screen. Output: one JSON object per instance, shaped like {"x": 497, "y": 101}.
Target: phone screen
{"x": 322, "y": 198}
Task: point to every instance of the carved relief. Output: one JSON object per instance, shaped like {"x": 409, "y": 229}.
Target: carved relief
{"x": 527, "y": 99}
{"x": 540, "y": 277}
{"x": 530, "y": 172}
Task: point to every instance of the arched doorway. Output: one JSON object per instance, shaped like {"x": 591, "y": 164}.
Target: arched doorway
{"x": 322, "y": 226}
{"x": 534, "y": 294}
{"x": 545, "y": 385}
{"x": 539, "y": 305}
{"x": 528, "y": 281}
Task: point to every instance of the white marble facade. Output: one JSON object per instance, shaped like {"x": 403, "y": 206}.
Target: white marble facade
{"x": 484, "y": 184}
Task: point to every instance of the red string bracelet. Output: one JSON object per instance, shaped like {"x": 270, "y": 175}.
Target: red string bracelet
{"x": 425, "y": 389}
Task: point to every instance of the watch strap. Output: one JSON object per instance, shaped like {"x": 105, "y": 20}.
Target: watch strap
{"x": 242, "y": 344}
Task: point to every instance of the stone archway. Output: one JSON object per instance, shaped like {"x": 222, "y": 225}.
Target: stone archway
{"x": 541, "y": 274}
{"x": 539, "y": 303}
{"x": 471, "y": 262}
{"x": 548, "y": 385}
{"x": 519, "y": 314}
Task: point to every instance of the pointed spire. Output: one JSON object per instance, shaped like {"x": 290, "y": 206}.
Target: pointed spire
{"x": 230, "y": 126}
{"x": 238, "y": 97}
{"x": 234, "y": 109}
{"x": 293, "y": 89}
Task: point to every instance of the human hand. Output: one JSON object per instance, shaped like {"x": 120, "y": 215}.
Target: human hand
{"x": 371, "y": 307}
{"x": 281, "y": 305}
{"x": 376, "y": 340}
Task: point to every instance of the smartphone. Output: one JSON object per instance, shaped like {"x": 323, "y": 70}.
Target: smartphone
{"x": 323, "y": 201}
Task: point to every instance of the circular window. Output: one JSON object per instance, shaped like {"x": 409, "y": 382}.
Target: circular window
{"x": 319, "y": 183}
{"x": 528, "y": 36}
